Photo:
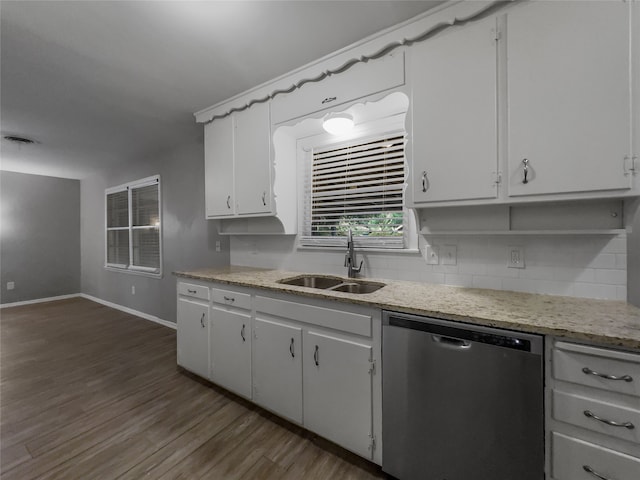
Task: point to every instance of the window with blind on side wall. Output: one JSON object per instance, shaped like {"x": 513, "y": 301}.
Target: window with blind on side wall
{"x": 359, "y": 187}
{"x": 133, "y": 227}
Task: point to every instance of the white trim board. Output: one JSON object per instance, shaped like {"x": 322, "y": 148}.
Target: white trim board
{"x": 122, "y": 308}
{"x": 39, "y": 300}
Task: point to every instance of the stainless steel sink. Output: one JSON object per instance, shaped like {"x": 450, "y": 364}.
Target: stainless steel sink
{"x": 357, "y": 287}
{"x": 335, "y": 284}
{"x": 312, "y": 281}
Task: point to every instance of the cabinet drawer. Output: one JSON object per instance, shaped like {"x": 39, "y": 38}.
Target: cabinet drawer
{"x": 581, "y": 411}
{"x": 591, "y": 366}
{"x": 571, "y": 458}
{"x": 231, "y": 299}
{"x": 361, "y": 80}
{"x": 195, "y": 291}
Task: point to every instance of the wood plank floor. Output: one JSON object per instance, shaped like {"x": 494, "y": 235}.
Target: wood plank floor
{"x": 88, "y": 392}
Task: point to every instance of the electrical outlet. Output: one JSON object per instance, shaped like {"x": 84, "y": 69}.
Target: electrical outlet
{"x": 431, "y": 255}
{"x": 217, "y": 245}
{"x": 11, "y": 285}
{"x": 448, "y": 254}
{"x": 515, "y": 257}
{"x": 133, "y": 289}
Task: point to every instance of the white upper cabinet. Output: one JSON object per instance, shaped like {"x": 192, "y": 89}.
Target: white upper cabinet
{"x": 569, "y": 100}
{"x": 238, "y": 163}
{"x": 253, "y": 160}
{"x": 453, "y": 82}
{"x": 360, "y": 80}
{"x": 218, "y": 168}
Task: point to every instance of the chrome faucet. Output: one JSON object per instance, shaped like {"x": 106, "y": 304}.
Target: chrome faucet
{"x": 350, "y": 258}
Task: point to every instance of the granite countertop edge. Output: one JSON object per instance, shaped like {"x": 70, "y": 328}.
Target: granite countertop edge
{"x": 604, "y": 322}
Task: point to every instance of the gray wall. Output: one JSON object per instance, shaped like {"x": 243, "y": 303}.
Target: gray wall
{"x": 40, "y": 236}
{"x": 188, "y": 240}
{"x": 633, "y": 262}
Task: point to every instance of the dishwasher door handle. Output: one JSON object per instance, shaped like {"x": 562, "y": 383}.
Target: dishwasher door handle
{"x": 450, "y": 342}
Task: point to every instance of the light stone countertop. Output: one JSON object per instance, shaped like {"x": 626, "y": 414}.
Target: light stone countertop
{"x": 603, "y": 322}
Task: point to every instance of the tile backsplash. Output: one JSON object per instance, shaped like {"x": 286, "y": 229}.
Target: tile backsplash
{"x": 593, "y": 266}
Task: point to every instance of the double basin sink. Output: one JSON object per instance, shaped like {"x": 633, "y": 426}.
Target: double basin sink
{"x": 333, "y": 284}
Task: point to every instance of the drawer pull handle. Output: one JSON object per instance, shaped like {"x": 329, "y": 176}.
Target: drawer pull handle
{"x": 316, "y": 355}
{"x": 293, "y": 355}
{"x": 329, "y": 100}
{"x": 192, "y": 291}
{"x": 229, "y": 299}
{"x": 588, "y": 371}
{"x": 202, "y": 320}
{"x": 590, "y": 470}
{"x": 628, "y": 425}
{"x": 242, "y": 333}
{"x": 229, "y": 201}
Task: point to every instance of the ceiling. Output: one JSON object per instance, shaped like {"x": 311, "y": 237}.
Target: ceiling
{"x": 96, "y": 83}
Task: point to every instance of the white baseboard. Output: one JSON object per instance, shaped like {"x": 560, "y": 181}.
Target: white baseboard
{"x": 39, "y": 300}
{"x": 122, "y": 308}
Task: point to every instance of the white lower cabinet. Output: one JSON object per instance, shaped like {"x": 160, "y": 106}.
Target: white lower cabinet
{"x": 193, "y": 336}
{"x": 310, "y": 361}
{"x": 231, "y": 350}
{"x": 337, "y": 385}
{"x": 575, "y": 459}
{"x": 593, "y": 407}
{"x": 277, "y": 368}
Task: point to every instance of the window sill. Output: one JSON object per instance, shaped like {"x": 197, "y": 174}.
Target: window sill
{"x": 140, "y": 273}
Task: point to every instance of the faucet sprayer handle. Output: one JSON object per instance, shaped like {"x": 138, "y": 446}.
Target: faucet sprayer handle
{"x": 357, "y": 270}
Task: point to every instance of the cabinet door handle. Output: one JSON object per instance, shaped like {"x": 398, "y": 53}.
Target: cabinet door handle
{"x": 628, "y": 425}
{"x": 293, "y": 355}
{"x": 202, "y": 320}
{"x": 525, "y": 162}
{"x": 229, "y": 201}
{"x": 229, "y": 299}
{"x": 425, "y": 181}
{"x": 191, "y": 291}
{"x": 242, "y": 333}
{"x": 624, "y": 378}
{"x": 329, "y": 100}
{"x": 590, "y": 470}
{"x": 316, "y": 356}
{"x": 264, "y": 198}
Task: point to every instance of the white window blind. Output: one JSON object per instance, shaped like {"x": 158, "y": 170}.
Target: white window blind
{"x": 133, "y": 227}
{"x": 358, "y": 187}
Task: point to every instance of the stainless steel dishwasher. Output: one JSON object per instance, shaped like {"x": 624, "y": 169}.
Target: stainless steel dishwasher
{"x": 460, "y": 401}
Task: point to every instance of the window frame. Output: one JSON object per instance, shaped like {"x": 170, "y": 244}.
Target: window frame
{"x": 392, "y": 125}
{"x": 131, "y": 268}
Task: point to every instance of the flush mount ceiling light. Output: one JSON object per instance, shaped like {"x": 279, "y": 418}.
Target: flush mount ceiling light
{"x": 338, "y": 123}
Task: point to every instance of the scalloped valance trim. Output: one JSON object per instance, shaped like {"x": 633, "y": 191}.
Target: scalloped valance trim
{"x": 434, "y": 30}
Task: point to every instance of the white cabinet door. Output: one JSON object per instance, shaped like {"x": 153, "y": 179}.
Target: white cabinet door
{"x": 568, "y": 97}
{"x": 360, "y": 80}
{"x": 277, "y": 368}
{"x": 454, "y": 109}
{"x": 231, "y": 350}
{"x": 218, "y": 167}
{"x": 193, "y": 336}
{"x": 337, "y": 391}
{"x": 253, "y": 160}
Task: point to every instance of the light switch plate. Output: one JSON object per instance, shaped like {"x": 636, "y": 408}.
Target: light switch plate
{"x": 431, "y": 255}
{"x": 448, "y": 254}
{"x": 515, "y": 258}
